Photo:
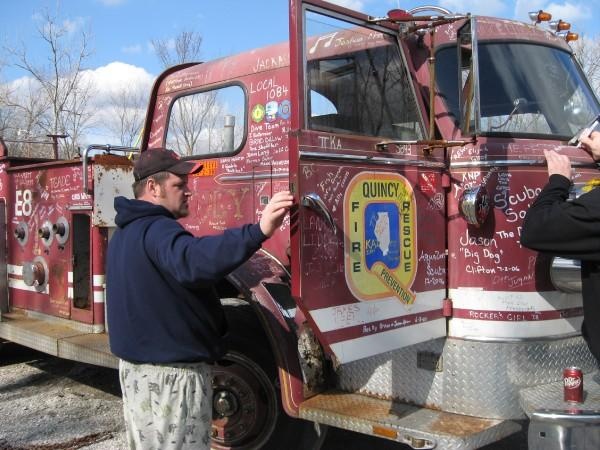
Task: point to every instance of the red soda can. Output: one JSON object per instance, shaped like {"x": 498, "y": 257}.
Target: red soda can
{"x": 573, "y": 384}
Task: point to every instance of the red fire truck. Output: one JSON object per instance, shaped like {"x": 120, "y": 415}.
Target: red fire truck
{"x": 396, "y": 301}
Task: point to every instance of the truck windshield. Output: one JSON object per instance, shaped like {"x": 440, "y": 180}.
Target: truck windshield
{"x": 524, "y": 89}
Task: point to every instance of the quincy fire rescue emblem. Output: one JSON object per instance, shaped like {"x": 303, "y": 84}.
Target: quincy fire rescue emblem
{"x": 379, "y": 219}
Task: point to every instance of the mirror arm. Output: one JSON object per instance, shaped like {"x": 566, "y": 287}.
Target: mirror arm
{"x": 431, "y": 60}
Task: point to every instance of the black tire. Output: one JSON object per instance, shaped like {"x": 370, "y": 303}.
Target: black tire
{"x": 247, "y": 411}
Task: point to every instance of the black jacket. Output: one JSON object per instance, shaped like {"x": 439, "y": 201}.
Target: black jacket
{"x": 570, "y": 230}
{"x": 161, "y": 303}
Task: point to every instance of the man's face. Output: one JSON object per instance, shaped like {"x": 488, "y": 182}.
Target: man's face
{"x": 174, "y": 195}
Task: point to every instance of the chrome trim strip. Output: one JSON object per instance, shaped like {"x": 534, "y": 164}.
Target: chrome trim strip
{"x": 264, "y": 176}
{"x": 511, "y": 162}
{"x": 511, "y": 340}
{"x": 372, "y": 159}
{"x": 562, "y": 417}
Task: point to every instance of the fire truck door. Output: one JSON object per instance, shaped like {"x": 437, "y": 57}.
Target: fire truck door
{"x": 368, "y": 267}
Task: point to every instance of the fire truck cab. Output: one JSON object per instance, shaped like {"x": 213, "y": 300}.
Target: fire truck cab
{"x": 396, "y": 301}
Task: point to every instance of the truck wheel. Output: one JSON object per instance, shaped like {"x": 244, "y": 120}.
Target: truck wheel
{"x": 247, "y": 412}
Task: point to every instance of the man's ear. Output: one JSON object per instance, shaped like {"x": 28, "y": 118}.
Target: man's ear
{"x": 153, "y": 188}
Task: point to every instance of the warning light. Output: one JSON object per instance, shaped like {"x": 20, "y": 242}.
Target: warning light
{"x": 559, "y": 25}
{"x": 568, "y": 35}
{"x": 399, "y": 15}
{"x": 540, "y": 16}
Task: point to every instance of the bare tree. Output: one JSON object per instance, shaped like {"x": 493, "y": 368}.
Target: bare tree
{"x": 127, "y": 115}
{"x": 185, "y": 47}
{"x": 189, "y": 115}
{"x": 587, "y": 53}
{"x": 192, "y": 117}
{"x": 60, "y": 80}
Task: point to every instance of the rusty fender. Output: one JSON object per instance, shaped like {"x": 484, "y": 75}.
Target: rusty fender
{"x": 264, "y": 281}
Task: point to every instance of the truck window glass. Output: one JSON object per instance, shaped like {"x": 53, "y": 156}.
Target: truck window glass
{"x": 524, "y": 89}
{"x": 357, "y": 81}
{"x": 208, "y": 122}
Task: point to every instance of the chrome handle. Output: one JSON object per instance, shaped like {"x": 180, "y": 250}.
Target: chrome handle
{"x": 314, "y": 202}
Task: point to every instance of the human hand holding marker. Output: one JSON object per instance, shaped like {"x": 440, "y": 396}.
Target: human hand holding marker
{"x": 591, "y": 144}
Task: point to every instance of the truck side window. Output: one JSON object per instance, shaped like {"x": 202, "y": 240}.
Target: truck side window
{"x": 357, "y": 81}
{"x": 208, "y": 122}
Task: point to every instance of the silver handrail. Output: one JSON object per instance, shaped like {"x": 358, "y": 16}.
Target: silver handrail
{"x": 107, "y": 148}
{"x": 420, "y": 9}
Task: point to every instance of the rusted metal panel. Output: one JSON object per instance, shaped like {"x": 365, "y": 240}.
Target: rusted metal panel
{"x": 110, "y": 181}
{"x": 418, "y": 427}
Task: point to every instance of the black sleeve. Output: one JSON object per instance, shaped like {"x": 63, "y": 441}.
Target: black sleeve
{"x": 564, "y": 228}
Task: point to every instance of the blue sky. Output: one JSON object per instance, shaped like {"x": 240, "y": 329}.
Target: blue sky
{"x": 122, "y": 29}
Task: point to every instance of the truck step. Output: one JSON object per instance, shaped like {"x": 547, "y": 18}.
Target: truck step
{"x": 57, "y": 339}
{"x": 412, "y": 425}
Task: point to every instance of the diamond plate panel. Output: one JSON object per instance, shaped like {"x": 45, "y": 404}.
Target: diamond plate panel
{"x": 481, "y": 379}
{"x": 418, "y": 427}
{"x": 550, "y": 396}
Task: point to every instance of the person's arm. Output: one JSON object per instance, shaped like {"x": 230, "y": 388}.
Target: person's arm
{"x": 203, "y": 260}
{"x": 554, "y": 225}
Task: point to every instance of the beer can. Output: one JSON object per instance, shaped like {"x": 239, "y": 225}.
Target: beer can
{"x": 573, "y": 385}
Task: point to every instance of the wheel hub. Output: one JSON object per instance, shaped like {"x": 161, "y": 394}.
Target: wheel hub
{"x": 244, "y": 404}
{"x": 225, "y": 403}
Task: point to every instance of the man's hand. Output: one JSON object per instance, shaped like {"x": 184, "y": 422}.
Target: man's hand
{"x": 592, "y": 144}
{"x": 275, "y": 211}
{"x": 558, "y": 164}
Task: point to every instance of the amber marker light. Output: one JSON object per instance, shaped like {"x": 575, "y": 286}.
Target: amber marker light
{"x": 559, "y": 25}
{"x": 540, "y": 16}
{"x": 568, "y": 36}
{"x": 399, "y": 15}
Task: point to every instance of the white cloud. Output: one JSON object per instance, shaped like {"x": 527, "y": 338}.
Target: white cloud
{"x": 115, "y": 77}
{"x": 73, "y": 25}
{"x": 108, "y": 82}
{"x": 20, "y": 87}
{"x": 566, "y": 11}
{"x": 488, "y": 8}
{"x": 132, "y": 49}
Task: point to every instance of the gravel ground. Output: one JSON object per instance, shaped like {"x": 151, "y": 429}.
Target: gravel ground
{"x": 51, "y": 404}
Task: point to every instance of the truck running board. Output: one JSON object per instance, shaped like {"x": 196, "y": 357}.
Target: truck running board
{"x": 417, "y": 427}
{"x": 57, "y": 339}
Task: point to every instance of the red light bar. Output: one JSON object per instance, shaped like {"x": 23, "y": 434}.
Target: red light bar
{"x": 399, "y": 14}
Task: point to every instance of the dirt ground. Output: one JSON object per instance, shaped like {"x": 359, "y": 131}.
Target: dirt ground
{"x": 51, "y": 404}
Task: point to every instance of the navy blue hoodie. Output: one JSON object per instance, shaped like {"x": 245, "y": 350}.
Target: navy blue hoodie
{"x": 162, "y": 307}
{"x": 570, "y": 229}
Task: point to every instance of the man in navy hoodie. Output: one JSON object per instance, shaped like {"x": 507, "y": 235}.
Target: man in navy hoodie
{"x": 165, "y": 322}
{"x": 570, "y": 229}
